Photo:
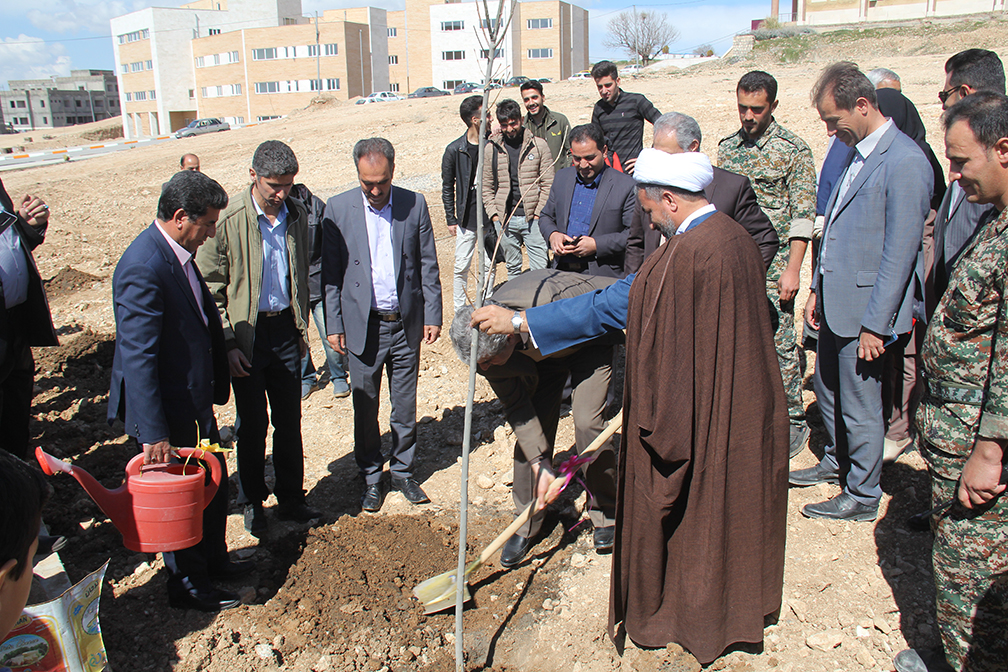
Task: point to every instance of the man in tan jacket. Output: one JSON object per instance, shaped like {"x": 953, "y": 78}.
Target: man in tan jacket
{"x": 517, "y": 176}
{"x": 256, "y": 268}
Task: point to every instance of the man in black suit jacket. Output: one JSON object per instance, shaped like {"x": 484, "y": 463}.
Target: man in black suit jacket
{"x": 731, "y": 194}
{"x": 24, "y": 315}
{"x": 382, "y": 294}
{"x": 587, "y": 215}
{"x": 171, "y": 367}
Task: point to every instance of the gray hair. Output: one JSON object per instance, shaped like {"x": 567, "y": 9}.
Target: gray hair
{"x": 273, "y": 158}
{"x": 373, "y": 146}
{"x": 879, "y": 75}
{"x": 488, "y": 346}
{"x": 686, "y": 128}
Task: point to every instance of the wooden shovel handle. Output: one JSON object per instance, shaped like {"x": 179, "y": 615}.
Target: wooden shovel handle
{"x": 496, "y": 544}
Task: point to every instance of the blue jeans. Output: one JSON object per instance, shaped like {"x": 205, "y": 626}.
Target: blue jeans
{"x": 335, "y": 362}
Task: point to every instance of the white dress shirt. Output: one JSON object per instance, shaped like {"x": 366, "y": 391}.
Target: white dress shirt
{"x": 862, "y": 151}
{"x": 186, "y": 259}
{"x": 384, "y": 295}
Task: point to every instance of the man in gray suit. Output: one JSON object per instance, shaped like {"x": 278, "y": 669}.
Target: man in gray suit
{"x": 863, "y": 286}
{"x": 587, "y": 215}
{"x": 957, "y": 219}
{"x": 382, "y": 296}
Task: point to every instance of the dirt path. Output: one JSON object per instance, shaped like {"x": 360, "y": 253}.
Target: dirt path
{"x": 339, "y": 597}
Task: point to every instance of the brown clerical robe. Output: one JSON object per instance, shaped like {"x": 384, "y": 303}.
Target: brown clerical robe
{"x": 702, "y": 501}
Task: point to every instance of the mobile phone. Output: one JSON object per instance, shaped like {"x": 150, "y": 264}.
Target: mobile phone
{"x": 573, "y": 241}
{"x": 893, "y": 337}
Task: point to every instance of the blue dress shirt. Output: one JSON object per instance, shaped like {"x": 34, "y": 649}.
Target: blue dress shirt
{"x": 13, "y": 266}
{"x": 275, "y": 291}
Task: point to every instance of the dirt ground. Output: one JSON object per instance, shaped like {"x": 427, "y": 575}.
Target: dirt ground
{"x": 338, "y": 597}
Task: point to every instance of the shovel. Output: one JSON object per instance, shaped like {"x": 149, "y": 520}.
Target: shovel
{"x": 438, "y": 593}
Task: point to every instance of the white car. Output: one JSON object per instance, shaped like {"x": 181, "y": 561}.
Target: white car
{"x": 584, "y": 74}
{"x": 379, "y": 97}
{"x": 632, "y": 69}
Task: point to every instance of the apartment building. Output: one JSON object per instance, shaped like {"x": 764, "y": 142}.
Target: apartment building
{"x": 83, "y": 97}
{"x": 154, "y": 58}
{"x": 257, "y": 74}
{"x": 834, "y": 12}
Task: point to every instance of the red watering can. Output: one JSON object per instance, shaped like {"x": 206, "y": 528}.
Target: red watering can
{"x": 159, "y": 507}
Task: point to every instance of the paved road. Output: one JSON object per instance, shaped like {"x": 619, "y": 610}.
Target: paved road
{"x": 52, "y": 156}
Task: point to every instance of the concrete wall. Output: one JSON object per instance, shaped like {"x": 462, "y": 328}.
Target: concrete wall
{"x": 833, "y": 12}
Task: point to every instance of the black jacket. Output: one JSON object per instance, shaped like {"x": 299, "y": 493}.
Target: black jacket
{"x": 315, "y": 207}
{"x": 456, "y": 187}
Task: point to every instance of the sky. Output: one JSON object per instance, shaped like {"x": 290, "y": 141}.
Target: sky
{"x": 50, "y": 37}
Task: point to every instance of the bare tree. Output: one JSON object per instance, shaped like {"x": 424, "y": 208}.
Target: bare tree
{"x": 704, "y": 50}
{"x": 641, "y": 34}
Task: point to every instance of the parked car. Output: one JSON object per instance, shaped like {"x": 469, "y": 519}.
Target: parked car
{"x": 545, "y": 80}
{"x": 516, "y": 81}
{"x": 494, "y": 84}
{"x": 632, "y": 69}
{"x": 584, "y": 74}
{"x": 379, "y": 97}
{"x": 428, "y": 92}
{"x": 468, "y": 87}
{"x": 201, "y": 126}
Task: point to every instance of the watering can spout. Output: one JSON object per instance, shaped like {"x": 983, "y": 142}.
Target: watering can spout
{"x": 113, "y": 503}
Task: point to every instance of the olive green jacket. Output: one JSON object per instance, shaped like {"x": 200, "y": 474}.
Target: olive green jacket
{"x": 231, "y": 264}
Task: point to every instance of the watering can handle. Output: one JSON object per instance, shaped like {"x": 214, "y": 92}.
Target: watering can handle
{"x": 216, "y": 473}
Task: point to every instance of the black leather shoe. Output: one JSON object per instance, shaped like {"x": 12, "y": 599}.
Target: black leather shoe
{"x": 515, "y": 548}
{"x": 911, "y": 660}
{"x": 813, "y": 476}
{"x": 374, "y": 496}
{"x": 255, "y": 520}
{"x": 799, "y": 439}
{"x": 205, "y": 599}
{"x": 230, "y": 569}
{"x": 298, "y": 512}
{"x": 841, "y": 507}
{"x": 410, "y": 490}
{"x": 604, "y": 538}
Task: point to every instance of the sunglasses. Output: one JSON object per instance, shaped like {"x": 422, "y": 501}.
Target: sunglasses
{"x": 943, "y": 95}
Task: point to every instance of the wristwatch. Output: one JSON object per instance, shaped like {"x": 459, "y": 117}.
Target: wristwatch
{"x": 516, "y": 322}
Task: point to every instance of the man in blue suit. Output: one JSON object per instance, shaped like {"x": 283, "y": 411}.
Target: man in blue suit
{"x": 171, "y": 367}
{"x": 382, "y": 299}
{"x": 863, "y": 286}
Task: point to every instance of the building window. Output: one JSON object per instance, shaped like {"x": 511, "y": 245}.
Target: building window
{"x": 125, "y": 68}
{"x": 136, "y": 67}
{"x": 332, "y": 84}
{"x": 267, "y": 87}
{"x": 288, "y": 21}
{"x": 153, "y": 95}
{"x": 331, "y": 49}
{"x": 393, "y": 60}
{"x": 394, "y": 88}
{"x": 199, "y": 62}
{"x": 236, "y": 89}
{"x": 23, "y": 104}
{"x": 192, "y": 93}
{"x": 24, "y": 121}
{"x": 264, "y": 54}
{"x": 488, "y": 23}
{"x": 452, "y": 25}
{"x": 129, "y": 97}
{"x": 485, "y": 53}
{"x": 76, "y": 101}
{"x": 450, "y": 84}
{"x": 452, "y": 55}
{"x": 137, "y": 95}
{"x": 234, "y": 57}
{"x": 214, "y": 31}
{"x": 135, "y": 36}
{"x": 149, "y": 65}
{"x": 313, "y": 50}
{"x": 536, "y": 24}
{"x": 45, "y": 120}
{"x": 316, "y": 85}
{"x": 391, "y": 32}
{"x": 42, "y": 103}
{"x": 540, "y": 53}
{"x": 268, "y": 117}
{"x": 216, "y": 59}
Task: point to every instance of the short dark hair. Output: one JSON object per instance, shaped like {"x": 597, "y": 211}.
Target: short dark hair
{"x": 487, "y": 345}
{"x": 986, "y": 112}
{"x": 508, "y": 109}
{"x": 532, "y": 84}
{"x": 979, "y": 69}
{"x": 274, "y": 158}
{"x": 370, "y": 146}
{"x": 469, "y": 107}
{"x": 604, "y": 69}
{"x": 23, "y": 493}
{"x": 588, "y": 132}
{"x": 757, "y": 80}
{"x": 193, "y": 193}
{"x": 846, "y": 84}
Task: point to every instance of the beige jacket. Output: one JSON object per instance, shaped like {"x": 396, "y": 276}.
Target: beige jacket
{"x": 231, "y": 264}
{"x": 535, "y": 175}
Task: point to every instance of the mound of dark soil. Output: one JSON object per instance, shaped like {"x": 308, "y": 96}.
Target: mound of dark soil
{"x": 67, "y": 281}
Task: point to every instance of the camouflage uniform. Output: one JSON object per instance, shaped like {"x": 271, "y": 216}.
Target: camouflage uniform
{"x": 965, "y": 360}
{"x": 779, "y": 165}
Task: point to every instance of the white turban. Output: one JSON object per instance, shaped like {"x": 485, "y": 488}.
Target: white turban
{"x": 689, "y": 171}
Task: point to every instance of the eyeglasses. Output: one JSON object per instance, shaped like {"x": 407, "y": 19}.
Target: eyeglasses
{"x": 943, "y": 95}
